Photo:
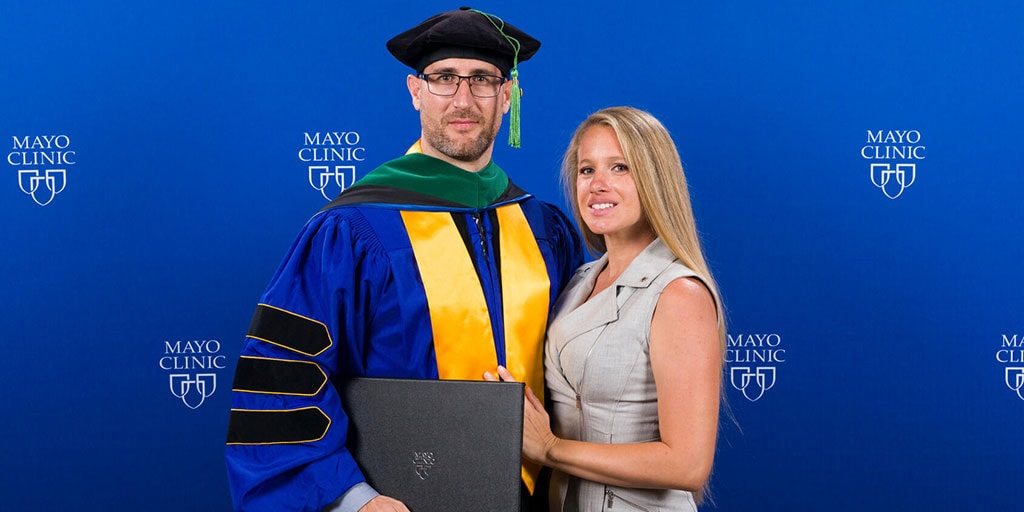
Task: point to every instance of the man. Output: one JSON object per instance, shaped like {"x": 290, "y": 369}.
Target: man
{"x": 434, "y": 265}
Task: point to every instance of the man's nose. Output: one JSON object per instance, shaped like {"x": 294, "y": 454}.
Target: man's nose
{"x": 463, "y": 96}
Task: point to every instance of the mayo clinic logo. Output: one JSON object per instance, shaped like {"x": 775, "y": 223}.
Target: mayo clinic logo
{"x": 192, "y": 368}
{"x": 753, "y": 360}
{"x": 42, "y": 162}
{"x": 1011, "y": 352}
{"x": 331, "y": 158}
{"x": 894, "y": 155}
{"x": 423, "y": 462}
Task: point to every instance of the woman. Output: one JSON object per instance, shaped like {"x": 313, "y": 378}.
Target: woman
{"x": 633, "y": 360}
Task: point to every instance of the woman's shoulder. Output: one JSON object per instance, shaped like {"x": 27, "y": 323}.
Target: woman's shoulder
{"x": 688, "y": 294}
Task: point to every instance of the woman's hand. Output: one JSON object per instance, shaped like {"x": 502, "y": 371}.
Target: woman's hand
{"x": 538, "y": 440}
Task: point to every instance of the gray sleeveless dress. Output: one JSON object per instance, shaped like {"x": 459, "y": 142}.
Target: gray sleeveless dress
{"x": 599, "y": 378}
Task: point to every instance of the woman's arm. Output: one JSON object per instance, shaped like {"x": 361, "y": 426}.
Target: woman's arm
{"x": 686, "y": 359}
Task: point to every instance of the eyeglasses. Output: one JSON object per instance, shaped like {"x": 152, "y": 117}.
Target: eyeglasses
{"x": 447, "y": 84}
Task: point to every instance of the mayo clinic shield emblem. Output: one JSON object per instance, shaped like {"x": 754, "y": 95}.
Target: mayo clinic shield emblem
{"x": 893, "y": 181}
{"x": 753, "y": 383}
{"x": 43, "y": 187}
{"x": 193, "y": 390}
{"x": 331, "y": 182}
{"x": 424, "y": 462}
{"x": 1015, "y": 380}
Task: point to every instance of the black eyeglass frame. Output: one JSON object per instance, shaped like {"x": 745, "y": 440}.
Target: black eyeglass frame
{"x": 468, "y": 78}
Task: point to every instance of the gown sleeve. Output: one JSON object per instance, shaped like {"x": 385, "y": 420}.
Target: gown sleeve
{"x": 287, "y": 430}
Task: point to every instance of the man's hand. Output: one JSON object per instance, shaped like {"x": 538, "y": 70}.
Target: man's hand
{"x": 384, "y": 504}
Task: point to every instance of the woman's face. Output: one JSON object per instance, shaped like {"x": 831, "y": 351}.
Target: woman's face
{"x": 605, "y": 191}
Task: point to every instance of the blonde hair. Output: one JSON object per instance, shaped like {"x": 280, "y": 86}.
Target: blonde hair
{"x": 660, "y": 182}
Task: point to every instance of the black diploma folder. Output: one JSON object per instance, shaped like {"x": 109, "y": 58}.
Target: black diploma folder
{"x": 438, "y": 445}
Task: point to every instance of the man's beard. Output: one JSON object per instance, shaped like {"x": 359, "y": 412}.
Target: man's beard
{"x": 462, "y": 151}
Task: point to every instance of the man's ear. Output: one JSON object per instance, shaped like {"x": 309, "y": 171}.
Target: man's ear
{"x": 506, "y": 96}
{"x": 415, "y": 86}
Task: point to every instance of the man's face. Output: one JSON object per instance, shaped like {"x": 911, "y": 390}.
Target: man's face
{"x": 459, "y": 128}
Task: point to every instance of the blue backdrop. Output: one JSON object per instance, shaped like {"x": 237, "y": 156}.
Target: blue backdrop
{"x": 856, "y": 170}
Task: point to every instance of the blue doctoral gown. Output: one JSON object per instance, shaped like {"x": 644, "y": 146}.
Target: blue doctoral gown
{"x": 349, "y": 299}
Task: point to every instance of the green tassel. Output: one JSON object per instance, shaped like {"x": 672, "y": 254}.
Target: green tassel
{"x": 517, "y": 93}
{"x": 513, "y": 126}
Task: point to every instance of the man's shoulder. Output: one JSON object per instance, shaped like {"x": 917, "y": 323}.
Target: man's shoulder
{"x": 529, "y": 202}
